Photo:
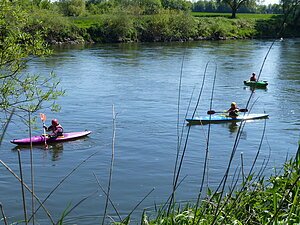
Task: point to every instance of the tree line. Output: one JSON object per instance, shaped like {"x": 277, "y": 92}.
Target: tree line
{"x": 83, "y": 7}
{"x": 78, "y": 21}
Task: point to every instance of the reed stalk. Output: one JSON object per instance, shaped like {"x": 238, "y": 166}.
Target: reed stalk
{"x": 177, "y": 173}
{"x": 6, "y": 125}
{"x": 31, "y": 168}
{"x": 205, "y": 166}
{"x": 111, "y": 162}
{"x": 178, "y": 119}
{"x": 28, "y": 188}
{"x": 62, "y": 181}
{"x": 137, "y": 205}
{"x": 111, "y": 202}
{"x": 3, "y": 214}
{"x": 66, "y": 213}
{"x": 22, "y": 188}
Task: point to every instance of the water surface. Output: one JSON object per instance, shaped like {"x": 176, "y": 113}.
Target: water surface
{"x": 141, "y": 81}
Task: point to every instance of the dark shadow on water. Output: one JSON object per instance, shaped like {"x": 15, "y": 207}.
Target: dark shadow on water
{"x": 55, "y": 149}
{"x": 253, "y": 89}
{"x": 233, "y": 127}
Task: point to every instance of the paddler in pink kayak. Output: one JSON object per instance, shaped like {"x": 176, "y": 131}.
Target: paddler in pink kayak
{"x": 56, "y": 128}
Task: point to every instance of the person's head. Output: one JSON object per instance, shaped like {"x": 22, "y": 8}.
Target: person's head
{"x": 54, "y": 122}
{"x": 233, "y": 104}
{"x": 253, "y": 74}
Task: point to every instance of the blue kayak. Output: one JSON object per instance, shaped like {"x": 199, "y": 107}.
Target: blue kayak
{"x": 225, "y": 118}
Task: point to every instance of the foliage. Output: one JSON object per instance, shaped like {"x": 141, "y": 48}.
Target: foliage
{"x": 176, "y": 4}
{"x": 247, "y": 16}
{"x": 168, "y": 26}
{"x": 268, "y": 29}
{"x": 291, "y": 10}
{"x": 113, "y": 28}
{"x": 72, "y": 7}
{"x": 151, "y": 6}
{"x": 56, "y": 28}
{"x": 220, "y": 28}
{"x": 20, "y": 90}
{"x": 100, "y": 7}
{"x": 236, "y": 4}
{"x": 258, "y": 201}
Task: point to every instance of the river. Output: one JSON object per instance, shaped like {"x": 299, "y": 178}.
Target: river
{"x": 141, "y": 83}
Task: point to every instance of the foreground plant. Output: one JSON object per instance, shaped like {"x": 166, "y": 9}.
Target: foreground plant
{"x": 271, "y": 201}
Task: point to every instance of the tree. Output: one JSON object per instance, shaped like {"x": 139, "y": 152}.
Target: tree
{"x": 72, "y": 7}
{"x": 19, "y": 90}
{"x": 236, "y": 4}
{"x": 291, "y": 10}
{"x": 177, "y": 4}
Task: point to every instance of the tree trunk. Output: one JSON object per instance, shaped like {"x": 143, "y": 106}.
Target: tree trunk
{"x": 233, "y": 14}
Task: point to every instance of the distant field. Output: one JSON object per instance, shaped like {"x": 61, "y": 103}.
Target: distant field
{"x": 238, "y": 15}
{"x": 86, "y": 22}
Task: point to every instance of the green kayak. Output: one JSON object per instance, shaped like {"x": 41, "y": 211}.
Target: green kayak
{"x": 258, "y": 84}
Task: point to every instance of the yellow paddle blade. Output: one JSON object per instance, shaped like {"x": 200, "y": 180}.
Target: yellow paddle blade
{"x": 43, "y": 117}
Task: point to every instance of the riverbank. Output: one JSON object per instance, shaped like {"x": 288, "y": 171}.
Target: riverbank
{"x": 166, "y": 26}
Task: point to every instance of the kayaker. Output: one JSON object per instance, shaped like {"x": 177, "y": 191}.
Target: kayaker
{"x": 56, "y": 128}
{"x": 233, "y": 111}
{"x": 253, "y": 77}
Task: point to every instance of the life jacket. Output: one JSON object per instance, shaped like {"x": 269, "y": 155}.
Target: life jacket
{"x": 59, "y": 130}
{"x": 56, "y": 130}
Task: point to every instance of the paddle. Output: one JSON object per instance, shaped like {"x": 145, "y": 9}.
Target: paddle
{"x": 43, "y": 118}
{"x": 213, "y": 111}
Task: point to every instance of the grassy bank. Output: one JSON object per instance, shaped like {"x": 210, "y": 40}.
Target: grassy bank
{"x": 177, "y": 26}
{"x": 165, "y": 26}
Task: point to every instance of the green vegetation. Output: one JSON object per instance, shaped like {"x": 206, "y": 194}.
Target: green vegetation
{"x": 24, "y": 27}
{"x": 19, "y": 41}
{"x": 78, "y": 21}
{"x": 250, "y": 16}
{"x": 257, "y": 201}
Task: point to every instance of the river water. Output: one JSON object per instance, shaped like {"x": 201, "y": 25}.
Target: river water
{"x": 141, "y": 82}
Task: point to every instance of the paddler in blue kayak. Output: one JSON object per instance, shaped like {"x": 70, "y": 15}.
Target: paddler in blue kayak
{"x": 56, "y": 128}
{"x": 233, "y": 111}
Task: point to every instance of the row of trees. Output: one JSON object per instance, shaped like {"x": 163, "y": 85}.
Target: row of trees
{"x": 213, "y": 6}
{"x": 82, "y": 7}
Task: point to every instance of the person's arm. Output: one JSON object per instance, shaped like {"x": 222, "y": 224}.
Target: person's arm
{"x": 48, "y": 128}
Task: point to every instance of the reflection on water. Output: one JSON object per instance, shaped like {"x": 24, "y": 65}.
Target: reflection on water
{"x": 233, "y": 127}
{"x": 253, "y": 89}
{"x": 55, "y": 149}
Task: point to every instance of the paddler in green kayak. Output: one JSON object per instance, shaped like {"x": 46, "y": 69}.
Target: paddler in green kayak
{"x": 253, "y": 77}
{"x": 233, "y": 111}
{"x": 56, "y": 128}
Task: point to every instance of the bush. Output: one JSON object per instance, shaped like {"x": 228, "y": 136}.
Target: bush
{"x": 113, "y": 28}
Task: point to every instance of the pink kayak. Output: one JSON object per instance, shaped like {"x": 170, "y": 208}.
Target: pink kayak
{"x": 41, "y": 139}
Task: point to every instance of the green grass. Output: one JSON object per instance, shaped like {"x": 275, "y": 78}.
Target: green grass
{"x": 87, "y": 21}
